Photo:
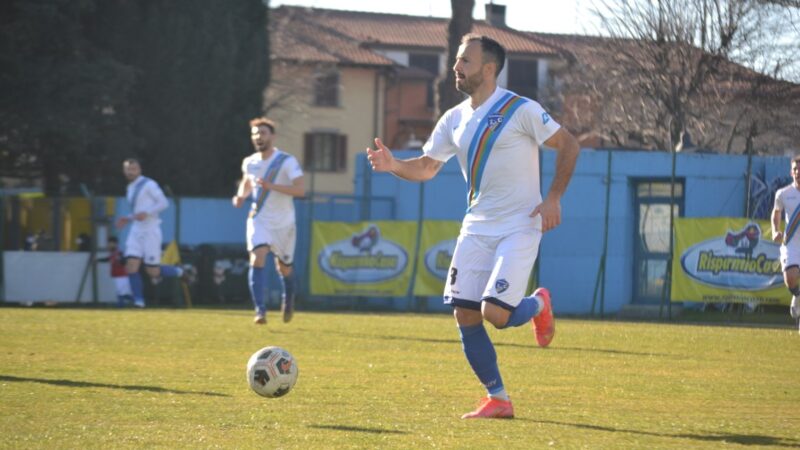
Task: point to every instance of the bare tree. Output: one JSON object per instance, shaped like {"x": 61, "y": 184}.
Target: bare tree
{"x": 460, "y": 24}
{"x": 667, "y": 71}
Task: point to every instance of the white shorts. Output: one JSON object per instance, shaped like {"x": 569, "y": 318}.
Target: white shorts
{"x": 281, "y": 241}
{"x": 491, "y": 268}
{"x": 144, "y": 244}
{"x": 122, "y": 286}
{"x": 790, "y": 256}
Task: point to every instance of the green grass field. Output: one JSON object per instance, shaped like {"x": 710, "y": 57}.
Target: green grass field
{"x": 77, "y": 378}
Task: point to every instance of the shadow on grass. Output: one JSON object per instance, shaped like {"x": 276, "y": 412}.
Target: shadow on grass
{"x": 496, "y": 344}
{"x": 88, "y": 384}
{"x": 741, "y": 439}
{"x": 357, "y": 429}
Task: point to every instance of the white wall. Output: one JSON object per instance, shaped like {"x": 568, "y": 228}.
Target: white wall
{"x": 53, "y": 277}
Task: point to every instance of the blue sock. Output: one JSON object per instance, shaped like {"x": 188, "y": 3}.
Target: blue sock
{"x": 288, "y": 285}
{"x": 136, "y": 286}
{"x": 257, "y": 280}
{"x": 171, "y": 271}
{"x": 482, "y": 357}
{"x": 523, "y": 313}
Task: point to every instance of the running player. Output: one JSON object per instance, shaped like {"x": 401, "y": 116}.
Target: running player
{"x": 273, "y": 178}
{"x": 146, "y": 200}
{"x": 495, "y": 134}
{"x": 787, "y": 204}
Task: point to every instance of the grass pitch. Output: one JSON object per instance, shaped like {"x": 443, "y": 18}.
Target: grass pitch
{"x": 74, "y": 378}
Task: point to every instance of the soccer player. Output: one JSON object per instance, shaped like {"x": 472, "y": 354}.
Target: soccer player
{"x": 495, "y": 134}
{"x": 787, "y": 204}
{"x": 273, "y": 178}
{"x": 146, "y": 201}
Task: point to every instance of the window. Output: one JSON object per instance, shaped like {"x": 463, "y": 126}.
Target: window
{"x": 523, "y": 77}
{"x": 429, "y": 63}
{"x": 326, "y": 88}
{"x": 325, "y": 152}
{"x": 652, "y": 239}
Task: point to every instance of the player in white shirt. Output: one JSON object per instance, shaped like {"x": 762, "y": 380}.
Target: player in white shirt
{"x": 787, "y": 205}
{"x": 495, "y": 135}
{"x": 146, "y": 200}
{"x": 273, "y": 178}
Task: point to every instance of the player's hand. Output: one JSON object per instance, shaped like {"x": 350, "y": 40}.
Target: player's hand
{"x": 140, "y": 216}
{"x": 777, "y": 237}
{"x": 550, "y": 210}
{"x": 381, "y": 159}
{"x": 237, "y": 201}
{"x": 122, "y": 221}
{"x": 266, "y": 185}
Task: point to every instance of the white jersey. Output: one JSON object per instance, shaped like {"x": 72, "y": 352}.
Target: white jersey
{"x": 144, "y": 195}
{"x": 787, "y": 199}
{"x": 277, "y": 210}
{"x": 501, "y": 164}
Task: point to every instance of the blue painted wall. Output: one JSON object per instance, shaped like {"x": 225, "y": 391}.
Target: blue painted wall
{"x": 569, "y": 255}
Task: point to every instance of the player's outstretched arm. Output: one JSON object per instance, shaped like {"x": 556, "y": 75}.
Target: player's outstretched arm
{"x": 422, "y": 168}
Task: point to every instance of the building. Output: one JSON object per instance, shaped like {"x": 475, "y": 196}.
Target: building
{"x": 341, "y": 78}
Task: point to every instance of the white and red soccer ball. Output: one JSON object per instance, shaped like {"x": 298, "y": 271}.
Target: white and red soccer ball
{"x": 272, "y": 372}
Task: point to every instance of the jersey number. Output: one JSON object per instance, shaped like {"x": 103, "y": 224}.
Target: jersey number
{"x": 453, "y": 273}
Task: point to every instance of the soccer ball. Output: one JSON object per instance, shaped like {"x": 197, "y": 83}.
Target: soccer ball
{"x": 271, "y": 372}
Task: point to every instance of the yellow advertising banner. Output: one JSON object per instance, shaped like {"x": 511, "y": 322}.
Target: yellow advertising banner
{"x": 362, "y": 258}
{"x": 436, "y": 247}
{"x": 726, "y": 260}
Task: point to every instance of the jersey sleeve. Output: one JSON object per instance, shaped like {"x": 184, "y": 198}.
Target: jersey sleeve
{"x": 440, "y": 145}
{"x": 293, "y": 169}
{"x": 537, "y": 122}
{"x": 779, "y": 200}
{"x": 160, "y": 202}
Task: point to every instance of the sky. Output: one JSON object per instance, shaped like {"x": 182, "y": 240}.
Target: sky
{"x": 546, "y": 16}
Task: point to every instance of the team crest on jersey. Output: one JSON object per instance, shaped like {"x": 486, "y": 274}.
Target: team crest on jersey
{"x": 495, "y": 120}
{"x": 545, "y": 118}
{"x": 501, "y": 285}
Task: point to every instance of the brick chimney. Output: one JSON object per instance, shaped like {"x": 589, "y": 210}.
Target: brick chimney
{"x": 496, "y": 14}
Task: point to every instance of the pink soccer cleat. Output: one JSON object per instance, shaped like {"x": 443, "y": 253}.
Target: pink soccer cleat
{"x": 544, "y": 324}
{"x": 491, "y": 408}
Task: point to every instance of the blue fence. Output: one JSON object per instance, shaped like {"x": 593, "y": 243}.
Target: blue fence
{"x": 570, "y": 256}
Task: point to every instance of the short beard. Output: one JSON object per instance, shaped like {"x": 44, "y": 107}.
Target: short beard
{"x": 469, "y": 84}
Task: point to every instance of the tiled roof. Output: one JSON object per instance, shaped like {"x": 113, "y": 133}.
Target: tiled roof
{"x": 348, "y": 37}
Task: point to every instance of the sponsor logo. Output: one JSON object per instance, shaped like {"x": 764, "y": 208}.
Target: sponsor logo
{"x": 438, "y": 257}
{"x": 739, "y": 260}
{"x": 545, "y": 118}
{"x": 364, "y": 258}
{"x": 500, "y": 286}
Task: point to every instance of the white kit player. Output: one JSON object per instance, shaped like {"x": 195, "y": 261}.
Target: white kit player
{"x": 787, "y": 205}
{"x": 146, "y": 200}
{"x": 495, "y": 135}
{"x": 273, "y": 178}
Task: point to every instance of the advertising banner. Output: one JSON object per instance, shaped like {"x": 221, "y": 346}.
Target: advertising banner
{"x": 437, "y": 243}
{"x": 726, "y": 260}
{"x": 362, "y": 258}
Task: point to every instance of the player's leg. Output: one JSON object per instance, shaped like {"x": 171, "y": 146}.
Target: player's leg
{"x": 504, "y": 303}
{"x": 258, "y": 247}
{"x": 466, "y": 281}
{"x": 152, "y": 258}
{"x": 790, "y": 262}
{"x": 288, "y": 286}
{"x": 133, "y": 261}
{"x": 257, "y": 282}
{"x": 283, "y": 249}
